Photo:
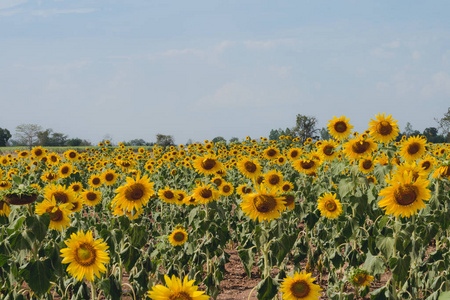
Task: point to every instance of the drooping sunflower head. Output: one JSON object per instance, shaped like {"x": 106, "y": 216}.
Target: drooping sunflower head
{"x": 85, "y": 256}
{"x": 383, "y": 129}
{"x": 339, "y": 128}
{"x": 265, "y": 204}
{"x": 300, "y": 286}
{"x": 329, "y": 206}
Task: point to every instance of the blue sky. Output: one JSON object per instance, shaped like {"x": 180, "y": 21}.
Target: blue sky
{"x": 201, "y": 69}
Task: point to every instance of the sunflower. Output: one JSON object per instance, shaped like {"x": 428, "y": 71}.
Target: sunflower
{"x": 134, "y": 194}
{"x": 413, "y": 148}
{"x": 180, "y": 197}
{"x": 176, "y": 289}
{"x": 300, "y": 286}
{"x": 179, "y": 236}
{"x": 427, "y": 163}
{"x": 305, "y": 165}
{"x": 167, "y": 195}
{"x": 329, "y": 206}
{"x": 60, "y": 193}
{"x": 95, "y": 181}
{"x": 91, "y": 197}
{"x": 415, "y": 170}
{"x": 442, "y": 171}
{"x": 77, "y": 187}
{"x": 109, "y": 177}
{"x": 359, "y": 147}
{"x": 53, "y": 158}
{"x": 85, "y": 256}
{"x": 339, "y": 128}
{"x": 5, "y": 209}
{"x": 38, "y": 152}
{"x": 217, "y": 181}
{"x": 273, "y": 179}
{"x": 383, "y": 129}
{"x": 190, "y": 200}
{"x": 59, "y": 213}
{"x": 5, "y": 185}
{"x": 289, "y": 201}
{"x": 271, "y": 153}
{"x": 65, "y": 170}
{"x": 71, "y": 155}
{"x": 250, "y": 168}
{"x": 226, "y": 189}
{"x": 23, "y": 154}
{"x": 327, "y": 150}
{"x": 371, "y": 179}
{"x": 263, "y": 205}
{"x": 205, "y": 193}
{"x": 366, "y": 165}
{"x": 207, "y": 165}
{"x": 77, "y": 204}
{"x": 360, "y": 278}
{"x": 243, "y": 189}
{"x": 286, "y": 186}
{"x": 404, "y": 197}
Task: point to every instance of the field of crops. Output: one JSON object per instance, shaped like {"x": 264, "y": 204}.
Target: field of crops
{"x": 317, "y": 219}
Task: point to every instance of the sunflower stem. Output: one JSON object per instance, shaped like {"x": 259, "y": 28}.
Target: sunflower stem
{"x": 93, "y": 291}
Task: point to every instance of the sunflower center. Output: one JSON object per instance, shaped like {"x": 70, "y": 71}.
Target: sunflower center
{"x": 85, "y": 255}
{"x": 96, "y": 181}
{"x": 294, "y": 154}
{"x": 274, "y": 179}
{"x": 178, "y": 236}
{"x": 38, "y": 152}
{"x": 250, "y": 167}
{"x": 91, "y": 196}
{"x": 180, "y": 197}
{"x": 180, "y": 296}
{"x": 271, "y": 152}
{"x": 217, "y": 181}
{"x": 74, "y": 206}
{"x": 53, "y": 158}
{"x": 360, "y": 147}
{"x": 56, "y": 216}
{"x": 426, "y": 165}
{"x": 328, "y": 150}
{"x": 405, "y": 194}
{"x": 264, "y": 203}
{"x": 360, "y": 279}
{"x": 340, "y": 126}
{"x": 384, "y": 128}
{"x": 330, "y": 205}
{"x": 307, "y": 164}
{"x": 72, "y": 155}
{"x": 135, "y": 192}
{"x": 61, "y": 197}
{"x": 208, "y": 163}
{"x": 367, "y": 164}
{"x": 206, "y": 193}
{"x": 413, "y": 148}
{"x": 4, "y": 184}
{"x": 109, "y": 177}
{"x": 65, "y": 170}
{"x": 286, "y": 187}
{"x": 168, "y": 194}
{"x": 1, "y": 205}
{"x": 50, "y": 176}
{"x": 76, "y": 188}
{"x": 300, "y": 289}
{"x": 288, "y": 200}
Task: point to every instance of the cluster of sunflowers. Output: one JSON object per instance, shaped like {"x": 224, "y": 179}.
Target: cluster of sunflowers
{"x": 265, "y": 179}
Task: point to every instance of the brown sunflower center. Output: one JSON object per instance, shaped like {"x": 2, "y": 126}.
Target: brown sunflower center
{"x": 384, "y": 128}
{"x": 226, "y": 189}
{"x": 38, "y": 152}
{"x": 180, "y": 296}
{"x": 4, "y": 184}
{"x": 286, "y": 187}
{"x": 208, "y": 163}
{"x": 360, "y": 147}
{"x": 178, "y": 236}
{"x": 274, "y": 179}
{"x": 135, "y": 192}
{"x": 50, "y": 176}
{"x": 340, "y": 126}
{"x": 330, "y": 205}
{"x": 426, "y": 165}
{"x": 91, "y": 196}
{"x": 109, "y": 177}
{"x": 288, "y": 200}
{"x": 328, "y": 150}
{"x": 168, "y": 194}
{"x": 367, "y": 164}
{"x": 413, "y": 148}
{"x": 360, "y": 279}
{"x": 307, "y": 164}
{"x": 72, "y": 155}
{"x": 264, "y": 203}
{"x": 85, "y": 255}
{"x": 76, "y": 188}
{"x": 294, "y": 154}
{"x": 55, "y": 216}
{"x": 300, "y": 289}
{"x": 271, "y": 152}
{"x": 1, "y": 205}
{"x": 75, "y": 205}
{"x": 217, "y": 181}
{"x": 250, "y": 167}
{"x": 53, "y": 158}
{"x": 96, "y": 181}
{"x": 65, "y": 170}
{"x": 405, "y": 194}
{"x": 61, "y": 197}
{"x": 206, "y": 193}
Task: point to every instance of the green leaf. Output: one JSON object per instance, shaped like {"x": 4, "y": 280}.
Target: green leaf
{"x": 345, "y": 187}
{"x": 381, "y": 294}
{"x": 374, "y": 265}
{"x": 14, "y": 226}
{"x": 17, "y": 180}
{"x": 38, "y": 225}
{"x": 267, "y": 289}
{"x": 138, "y": 234}
{"x": 400, "y": 267}
{"x": 111, "y": 287}
{"x": 3, "y": 259}
{"x": 386, "y": 245}
{"x": 129, "y": 256}
{"x": 444, "y": 296}
{"x": 247, "y": 259}
{"x": 39, "y": 277}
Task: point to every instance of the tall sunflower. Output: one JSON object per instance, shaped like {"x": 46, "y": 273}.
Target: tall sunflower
{"x": 134, "y": 194}
{"x": 65, "y": 170}
{"x": 300, "y": 287}
{"x": 177, "y": 289}
{"x": 85, "y": 256}
{"x": 405, "y": 196}
{"x": 250, "y": 168}
{"x": 413, "y": 148}
{"x": 109, "y": 177}
{"x": 273, "y": 179}
{"x": 294, "y": 153}
{"x": 383, "y": 129}
{"x": 205, "y": 193}
{"x": 59, "y": 213}
{"x": 91, "y": 197}
{"x": 366, "y": 164}
{"x": 60, "y": 193}
{"x": 327, "y": 150}
{"x": 95, "y": 180}
{"x": 207, "y": 165}
{"x": 359, "y": 147}
{"x": 226, "y": 189}
{"x": 167, "y": 195}
{"x": 329, "y": 206}
{"x": 265, "y": 204}
{"x": 339, "y": 128}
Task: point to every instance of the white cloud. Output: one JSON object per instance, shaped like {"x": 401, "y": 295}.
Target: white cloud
{"x": 439, "y": 86}
{"x": 267, "y": 44}
{"x": 385, "y": 50}
{"x": 230, "y": 95}
{"x": 281, "y": 71}
{"x": 415, "y": 55}
{"x": 4, "y": 4}
{"x": 219, "y": 48}
{"x": 50, "y": 12}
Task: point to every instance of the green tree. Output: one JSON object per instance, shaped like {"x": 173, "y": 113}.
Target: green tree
{"x": 5, "y": 135}
{"x": 444, "y": 125}
{"x": 234, "y": 139}
{"x": 27, "y": 134}
{"x": 325, "y": 134}
{"x": 164, "y": 140}
{"x": 219, "y": 139}
{"x": 305, "y": 127}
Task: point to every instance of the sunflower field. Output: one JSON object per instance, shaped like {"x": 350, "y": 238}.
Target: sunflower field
{"x": 362, "y": 215}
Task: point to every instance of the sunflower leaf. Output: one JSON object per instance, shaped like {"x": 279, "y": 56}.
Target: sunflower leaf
{"x": 267, "y": 289}
{"x": 39, "y": 277}
{"x": 374, "y": 264}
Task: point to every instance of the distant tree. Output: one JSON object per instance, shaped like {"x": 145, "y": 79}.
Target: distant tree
{"x": 325, "y": 134}
{"x": 431, "y": 133}
{"x": 189, "y": 142}
{"x": 219, "y": 139}
{"x": 444, "y": 124}
{"x": 5, "y": 135}
{"x": 274, "y": 134}
{"x": 137, "y": 142}
{"x": 75, "y": 142}
{"x": 28, "y": 134}
{"x": 234, "y": 139}
{"x": 408, "y": 129}
{"x": 305, "y": 127}
{"x": 164, "y": 140}
{"x": 44, "y": 137}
